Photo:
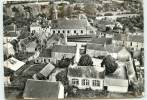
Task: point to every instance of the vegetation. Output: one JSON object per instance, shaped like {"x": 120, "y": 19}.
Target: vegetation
{"x": 133, "y": 22}
{"x": 62, "y": 77}
{"x": 90, "y": 9}
{"x": 85, "y": 60}
{"x": 110, "y": 65}
{"x": 64, "y": 63}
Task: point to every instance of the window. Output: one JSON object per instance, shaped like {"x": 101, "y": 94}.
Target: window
{"x": 54, "y": 31}
{"x": 85, "y": 82}
{"x": 96, "y": 83}
{"x": 63, "y": 31}
{"x": 48, "y": 60}
{"x": 58, "y": 31}
{"x": 68, "y": 31}
{"x": 74, "y": 31}
{"x": 75, "y": 81}
{"x": 82, "y": 31}
{"x": 131, "y": 43}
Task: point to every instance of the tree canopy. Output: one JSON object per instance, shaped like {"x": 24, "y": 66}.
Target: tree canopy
{"x": 110, "y": 65}
{"x": 85, "y": 60}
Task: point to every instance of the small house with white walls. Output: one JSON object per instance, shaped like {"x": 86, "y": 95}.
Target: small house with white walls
{"x": 86, "y": 77}
{"x": 37, "y": 28}
{"x": 134, "y": 42}
{"x": 63, "y": 51}
{"x": 8, "y": 50}
{"x": 45, "y": 57}
{"x": 9, "y": 36}
{"x": 117, "y": 82}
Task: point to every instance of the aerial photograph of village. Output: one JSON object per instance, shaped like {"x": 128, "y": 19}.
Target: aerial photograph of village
{"x": 73, "y": 49}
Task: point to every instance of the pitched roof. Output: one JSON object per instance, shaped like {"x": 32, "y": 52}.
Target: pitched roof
{"x": 115, "y": 82}
{"x": 64, "y": 49}
{"x": 47, "y": 69}
{"x": 31, "y": 44}
{"x": 102, "y": 40}
{"x": 41, "y": 89}
{"x": 9, "y": 28}
{"x": 45, "y": 53}
{"x": 136, "y": 38}
{"x": 10, "y": 34}
{"x": 86, "y": 71}
{"x": 107, "y": 48}
{"x": 70, "y": 24}
{"x": 13, "y": 64}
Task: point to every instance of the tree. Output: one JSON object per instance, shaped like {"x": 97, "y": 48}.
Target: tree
{"x": 64, "y": 63}
{"x": 90, "y": 9}
{"x": 85, "y": 60}
{"x": 110, "y": 65}
{"x": 62, "y": 77}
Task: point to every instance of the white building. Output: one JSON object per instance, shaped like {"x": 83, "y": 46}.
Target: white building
{"x": 13, "y": 64}
{"x": 72, "y": 27}
{"x": 86, "y": 77}
{"x": 8, "y": 49}
{"x": 37, "y": 28}
{"x": 9, "y": 36}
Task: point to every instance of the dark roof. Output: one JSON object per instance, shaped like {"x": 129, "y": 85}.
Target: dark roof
{"x": 45, "y": 53}
{"x": 107, "y": 48}
{"x": 136, "y": 38}
{"x": 64, "y": 49}
{"x": 9, "y": 28}
{"x": 10, "y": 34}
{"x": 70, "y": 24}
{"x": 41, "y": 89}
{"x": 102, "y": 40}
{"x": 95, "y": 47}
{"x": 85, "y": 71}
{"x": 117, "y": 37}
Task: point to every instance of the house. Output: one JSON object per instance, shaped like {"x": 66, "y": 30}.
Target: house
{"x": 46, "y": 71}
{"x": 63, "y": 51}
{"x": 45, "y": 56}
{"x": 8, "y": 50}
{"x": 10, "y": 28}
{"x": 134, "y": 42}
{"x": 31, "y": 47}
{"x": 86, "y": 77}
{"x": 13, "y": 64}
{"x": 72, "y": 27}
{"x": 9, "y": 36}
{"x": 96, "y": 50}
{"x": 117, "y": 82}
{"x": 43, "y": 89}
{"x": 116, "y": 85}
{"x": 37, "y": 28}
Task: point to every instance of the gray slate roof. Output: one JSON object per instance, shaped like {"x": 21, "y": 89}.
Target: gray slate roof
{"x": 41, "y": 89}
{"x": 10, "y": 34}
{"x": 102, "y": 40}
{"x": 64, "y": 49}
{"x": 107, "y": 48}
{"x": 85, "y": 71}
{"x": 45, "y": 53}
{"x": 70, "y": 24}
{"x": 136, "y": 38}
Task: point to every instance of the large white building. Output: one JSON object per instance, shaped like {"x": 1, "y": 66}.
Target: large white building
{"x": 72, "y": 27}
